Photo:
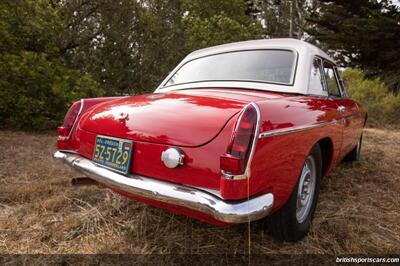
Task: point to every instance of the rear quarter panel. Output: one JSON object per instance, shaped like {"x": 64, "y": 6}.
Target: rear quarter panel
{"x": 73, "y": 143}
{"x": 278, "y": 160}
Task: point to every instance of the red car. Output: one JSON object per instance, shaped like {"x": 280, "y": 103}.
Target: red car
{"x": 236, "y": 133}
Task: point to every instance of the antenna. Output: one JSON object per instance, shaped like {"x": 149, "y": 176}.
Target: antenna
{"x": 291, "y": 20}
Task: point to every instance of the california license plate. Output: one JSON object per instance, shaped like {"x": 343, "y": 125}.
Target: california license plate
{"x": 113, "y": 153}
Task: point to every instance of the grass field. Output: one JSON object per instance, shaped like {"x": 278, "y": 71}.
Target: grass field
{"x": 358, "y": 211}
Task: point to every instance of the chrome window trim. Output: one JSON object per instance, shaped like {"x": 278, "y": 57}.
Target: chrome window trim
{"x": 336, "y": 78}
{"x": 322, "y": 69}
{"x": 245, "y": 85}
{"x": 339, "y": 81}
{"x": 283, "y": 131}
{"x": 292, "y": 76}
{"x": 247, "y": 172}
{"x": 324, "y": 92}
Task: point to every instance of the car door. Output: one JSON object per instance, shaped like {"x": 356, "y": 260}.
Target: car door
{"x": 345, "y": 106}
{"x": 328, "y": 106}
{"x": 356, "y": 119}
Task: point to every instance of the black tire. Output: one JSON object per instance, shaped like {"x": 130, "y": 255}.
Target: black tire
{"x": 355, "y": 153}
{"x": 283, "y": 225}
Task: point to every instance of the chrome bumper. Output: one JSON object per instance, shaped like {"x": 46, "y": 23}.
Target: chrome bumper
{"x": 180, "y": 195}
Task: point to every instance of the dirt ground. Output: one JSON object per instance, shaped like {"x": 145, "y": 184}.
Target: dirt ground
{"x": 358, "y": 211}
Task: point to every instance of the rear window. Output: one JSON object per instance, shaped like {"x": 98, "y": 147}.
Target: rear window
{"x": 270, "y": 66}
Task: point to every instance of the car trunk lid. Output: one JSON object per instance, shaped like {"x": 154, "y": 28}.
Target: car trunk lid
{"x": 185, "y": 118}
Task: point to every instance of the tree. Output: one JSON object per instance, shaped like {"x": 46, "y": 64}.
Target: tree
{"x": 361, "y": 33}
{"x": 54, "y": 52}
{"x": 213, "y": 22}
{"x": 282, "y": 18}
{"x": 136, "y": 43}
{"x": 36, "y": 84}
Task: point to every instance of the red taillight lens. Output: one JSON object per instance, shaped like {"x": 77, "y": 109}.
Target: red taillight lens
{"x": 69, "y": 119}
{"x": 231, "y": 164}
{"x": 238, "y": 152}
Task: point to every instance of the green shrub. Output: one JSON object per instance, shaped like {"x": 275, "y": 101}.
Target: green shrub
{"x": 35, "y": 92}
{"x": 383, "y": 106}
{"x": 36, "y": 83}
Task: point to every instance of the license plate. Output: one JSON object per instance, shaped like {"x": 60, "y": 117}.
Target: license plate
{"x": 113, "y": 153}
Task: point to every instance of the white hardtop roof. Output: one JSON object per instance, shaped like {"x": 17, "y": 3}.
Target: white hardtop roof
{"x": 305, "y": 52}
{"x": 284, "y": 43}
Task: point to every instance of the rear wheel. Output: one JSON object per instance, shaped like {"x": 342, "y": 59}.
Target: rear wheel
{"x": 355, "y": 154}
{"x": 292, "y": 222}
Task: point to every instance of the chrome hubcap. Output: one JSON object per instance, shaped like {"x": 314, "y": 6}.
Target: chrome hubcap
{"x": 305, "y": 193}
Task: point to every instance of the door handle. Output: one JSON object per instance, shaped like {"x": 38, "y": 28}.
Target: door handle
{"x": 341, "y": 108}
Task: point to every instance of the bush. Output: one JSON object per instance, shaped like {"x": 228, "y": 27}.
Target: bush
{"x": 35, "y": 92}
{"x": 383, "y": 106}
{"x": 36, "y": 83}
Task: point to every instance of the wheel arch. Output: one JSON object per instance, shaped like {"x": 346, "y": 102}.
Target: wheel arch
{"x": 326, "y": 146}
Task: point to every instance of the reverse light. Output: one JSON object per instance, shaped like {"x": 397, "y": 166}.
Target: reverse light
{"x": 234, "y": 162}
{"x": 69, "y": 120}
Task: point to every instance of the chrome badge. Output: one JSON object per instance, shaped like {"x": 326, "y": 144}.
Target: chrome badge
{"x": 122, "y": 116}
{"x": 172, "y": 157}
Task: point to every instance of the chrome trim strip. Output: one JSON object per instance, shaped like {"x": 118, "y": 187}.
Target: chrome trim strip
{"x": 283, "y": 131}
{"x": 230, "y": 85}
{"x": 175, "y": 194}
{"x": 247, "y": 172}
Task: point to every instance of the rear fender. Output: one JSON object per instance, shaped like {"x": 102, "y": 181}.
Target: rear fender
{"x": 279, "y": 158}
{"x": 71, "y": 143}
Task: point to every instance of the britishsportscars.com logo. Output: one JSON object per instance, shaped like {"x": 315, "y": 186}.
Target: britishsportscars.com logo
{"x": 367, "y": 259}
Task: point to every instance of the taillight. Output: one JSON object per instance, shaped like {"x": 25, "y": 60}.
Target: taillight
{"x": 235, "y": 160}
{"x": 69, "y": 121}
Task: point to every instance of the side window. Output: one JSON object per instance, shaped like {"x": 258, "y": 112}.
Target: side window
{"x": 331, "y": 81}
{"x": 341, "y": 83}
{"x": 316, "y": 83}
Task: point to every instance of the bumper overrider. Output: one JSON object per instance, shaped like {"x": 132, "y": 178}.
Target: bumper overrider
{"x": 175, "y": 194}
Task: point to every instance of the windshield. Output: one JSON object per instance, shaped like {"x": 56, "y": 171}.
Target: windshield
{"x": 270, "y": 66}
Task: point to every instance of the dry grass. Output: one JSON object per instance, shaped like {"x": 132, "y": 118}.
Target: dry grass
{"x": 358, "y": 212}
